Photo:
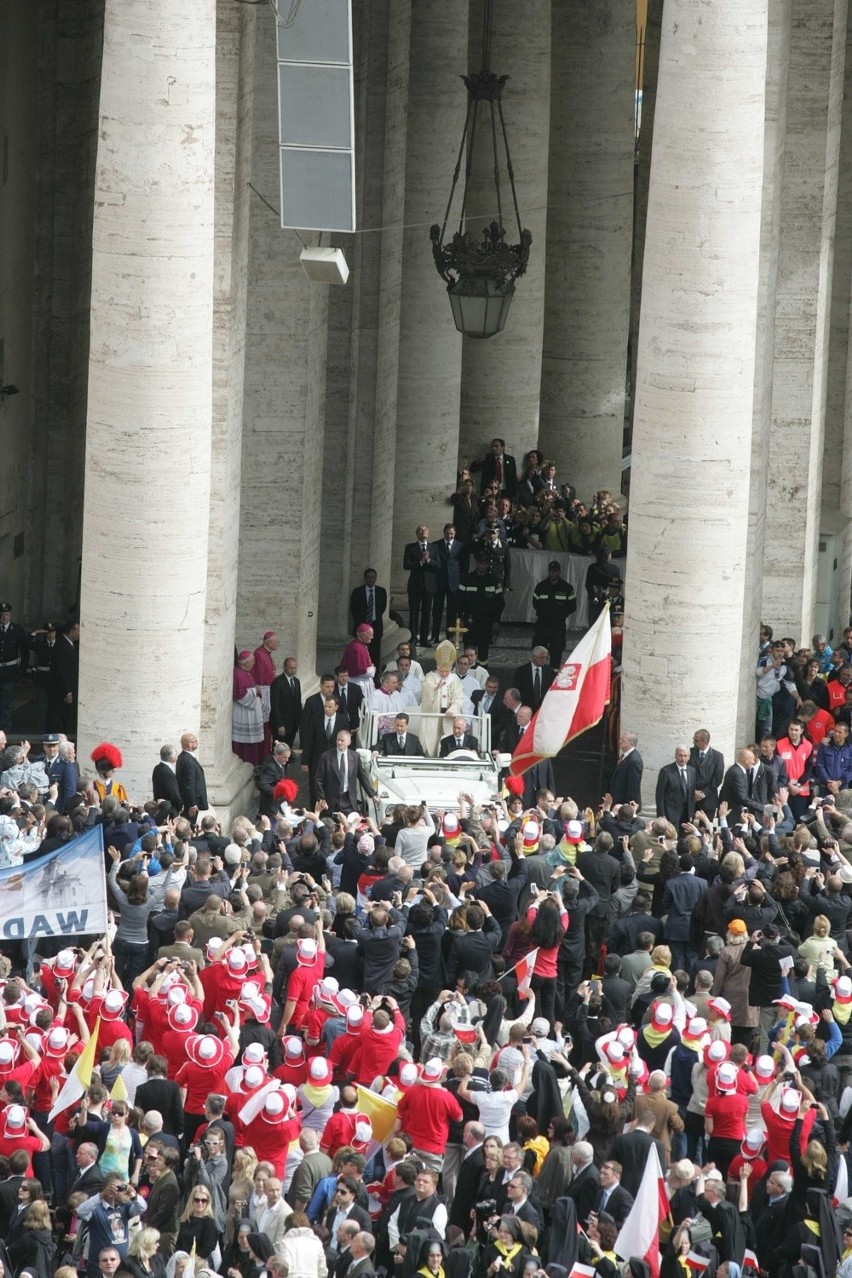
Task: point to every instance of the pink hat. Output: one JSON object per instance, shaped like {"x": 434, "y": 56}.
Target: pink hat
{"x": 183, "y": 1016}
{"x": 764, "y": 1069}
{"x": 432, "y": 1071}
{"x": 206, "y": 1050}
{"x": 662, "y": 1017}
{"x": 56, "y": 1042}
{"x": 367, "y": 844}
{"x": 319, "y": 1071}
{"x": 753, "y": 1143}
{"x": 294, "y": 1049}
{"x": 355, "y": 1018}
{"x": 270, "y": 634}
{"x": 254, "y": 1054}
{"x": 113, "y": 1005}
{"x": 726, "y": 1077}
{"x": 14, "y": 1120}
{"x": 306, "y": 951}
{"x": 721, "y": 1007}
{"x": 790, "y": 1100}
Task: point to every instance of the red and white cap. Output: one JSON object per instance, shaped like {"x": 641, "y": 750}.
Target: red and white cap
{"x": 288, "y": 1091}
{"x": 574, "y": 832}
{"x": 721, "y": 1007}
{"x": 113, "y": 1005}
{"x": 306, "y": 951}
{"x": 87, "y": 990}
{"x": 531, "y": 834}
{"x": 205, "y": 1049}
{"x": 363, "y": 1134}
{"x": 716, "y": 1052}
{"x": 9, "y": 1050}
{"x": 65, "y": 963}
{"x": 662, "y": 1017}
{"x": 843, "y": 989}
{"x": 344, "y": 1000}
{"x": 326, "y": 990}
{"x": 466, "y": 1033}
{"x": 805, "y": 1015}
{"x": 432, "y": 1071}
{"x": 726, "y": 1077}
{"x": 183, "y": 1016}
{"x": 354, "y": 1018}
{"x": 236, "y": 962}
{"x": 176, "y": 994}
{"x": 14, "y": 1120}
{"x": 258, "y": 1003}
{"x": 696, "y": 1028}
{"x": 33, "y": 1003}
{"x": 790, "y": 1101}
{"x": 294, "y": 1050}
{"x": 614, "y": 1052}
{"x": 56, "y": 1042}
{"x": 255, "y": 1054}
{"x": 764, "y": 1069}
{"x": 752, "y": 1143}
{"x": 275, "y": 1109}
{"x": 408, "y": 1075}
{"x": 214, "y": 945}
{"x": 626, "y": 1037}
{"x": 253, "y": 1077}
{"x": 450, "y": 828}
{"x": 319, "y": 1071}
{"x": 786, "y": 1001}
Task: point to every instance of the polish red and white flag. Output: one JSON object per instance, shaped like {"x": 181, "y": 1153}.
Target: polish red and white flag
{"x": 750, "y": 1262}
{"x": 524, "y": 971}
{"x": 574, "y": 701}
{"x": 640, "y": 1234}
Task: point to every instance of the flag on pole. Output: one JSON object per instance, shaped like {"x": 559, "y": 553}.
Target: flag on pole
{"x": 574, "y": 701}
{"x": 119, "y": 1090}
{"x": 841, "y": 1185}
{"x": 525, "y": 970}
{"x": 78, "y": 1081}
{"x": 750, "y": 1262}
{"x": 579, "y": 1270}
{"x": 380, "y": 1111}
{"x": 640, "y": 1234}
{"x": 696, "y": 1262}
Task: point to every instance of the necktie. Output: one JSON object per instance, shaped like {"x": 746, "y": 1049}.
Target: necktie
{"x": 370, "y": 610}
{"x": 683, "y": 778}
{"x": 329, "y": 724}
{"x": 291, "y": 683}
{"x": 702, "y": 755}
{"x": 459, "y": 742}
{"x": 750, "y": 781}
{"x": 344, "y": 771}
{"x": 341, "y": 697}
{"x": 423, "y": 545}
{"x": 498, "y": 470}
{"x": 401, "y": 741}
{"x": 537, "y": 682}
{"x": 486, "y": 704}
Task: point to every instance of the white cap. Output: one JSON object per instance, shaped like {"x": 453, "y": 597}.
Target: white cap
{"x": 254, "y": 1054}
{"x": 253, "y": 1077}
{"x": 207, "y": 1048}
{"x": 790, "y": 1100}
{"x": 363, "y": 1131}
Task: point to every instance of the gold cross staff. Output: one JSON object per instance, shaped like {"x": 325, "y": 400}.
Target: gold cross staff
{"x": 457, "y": 631}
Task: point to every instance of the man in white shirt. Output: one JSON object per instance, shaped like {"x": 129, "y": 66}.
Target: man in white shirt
{"x": 404, "y": 650}
{"x": 468, "y": 682}
{"x": 479, "y": 672}
{"x": 409, "y": 684}
{"x": 272, "y": 1219}
{"x": 495, "y": 1106}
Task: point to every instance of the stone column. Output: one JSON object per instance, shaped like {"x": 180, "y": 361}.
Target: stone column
{"x": 589, "y": 234}
{"x": 284, "y": 406}
{"x": 229, "y": 780}
{"x": 644, "y": 147}
{"x": 774, "y": 137}
{"x": 145, "y": 522}
{"x": 694, "y": 396}
{"x": 429, "y": 364}
{"x": 501, "y": 377}
{"x": 803, "y": 306}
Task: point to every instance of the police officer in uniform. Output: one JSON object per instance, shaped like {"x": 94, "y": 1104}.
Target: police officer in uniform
{"x": 554, "y": 600}
{"x": 42, "y": 645}
{"x": 53, "y": 765}
{"x": 14, "y": 654}
{"x": 481, "y": 600}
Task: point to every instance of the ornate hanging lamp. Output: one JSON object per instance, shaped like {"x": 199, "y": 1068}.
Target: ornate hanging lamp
{"x": 480, "y": 268}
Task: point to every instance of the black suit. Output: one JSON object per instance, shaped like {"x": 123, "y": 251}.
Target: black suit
{"x": 355, "y": 1213}
{"x": 443, "y": 581}
{"x": 674, "y": 802}
{"x": 467, "y": 1184}
{"x": 411, "y": 749}
{"x": 285, "y": 708}
{"x": 358, "y": 606}
{"x": 473, "y": 952}
{"x": 165, "y": 786}
{"x": 709, "y": 772}
{"x": 350, "y": 700}
{"x": 9, "y": 1201}
{"x": 527, "y": 1211}
{"x": 448, "y": 744}
{"x": 88, "y": 1182}
{"x": 632, "y": 1150}
{"x": 735, "y": 792}
{"x": 525, "y": 684}
{"x": 625, "y": 784}
{"x": 327, "y": 781}
{"x": 313, "y": 735}
{"x": 583, "y": 1191}
{"x": 488, "y": 467}
{"x": 618, "y": 1204}
{"x": 63, "y": 679}
{"x": 191, "y": 782}
{"x": 271, "y": 772}
{"x": 539, "y": 777}
{"x": 418, "y": 596}
{"x": 510, "y": 734}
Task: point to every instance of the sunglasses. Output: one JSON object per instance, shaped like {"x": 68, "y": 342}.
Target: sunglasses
{"x": 201, "y": 1200}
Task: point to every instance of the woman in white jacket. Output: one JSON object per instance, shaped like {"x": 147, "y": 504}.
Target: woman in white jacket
{"x": 302, "y": 1250}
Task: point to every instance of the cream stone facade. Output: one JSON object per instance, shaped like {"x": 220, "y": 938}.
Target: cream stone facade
{"x": 206, "y": 445}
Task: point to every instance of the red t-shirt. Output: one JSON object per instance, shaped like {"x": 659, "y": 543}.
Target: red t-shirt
{"x": 426, "y": 1113}
{"x": 728, "y": 1113}
{"x": 780, "y": 1129}
{"x": 9, "y": 1145}
{"x": 795, "y": 759}
{"x": 300, "y": 986}
{"x": 201, "y": 1080}
{"x": 545, "y": 960}
{"x": 376, "y": 1050}
{"x": 271, "y": 1141}
{"x": 819, "y": 726}
{"x": 758, "y": 1170}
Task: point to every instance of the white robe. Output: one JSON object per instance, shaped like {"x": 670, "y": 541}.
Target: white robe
{"x": 439, "y": 695}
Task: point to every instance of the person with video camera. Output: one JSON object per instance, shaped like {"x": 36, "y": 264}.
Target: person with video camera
{"x": 108, "y": 1215}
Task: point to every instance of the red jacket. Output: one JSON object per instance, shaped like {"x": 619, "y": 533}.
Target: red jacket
{"x": 376, "y": 1049}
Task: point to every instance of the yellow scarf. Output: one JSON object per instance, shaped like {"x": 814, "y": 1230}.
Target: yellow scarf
{"x": 508, "y": 1253}
{"x": 813, "y": 1226}
{"x": 540, "y": 1146}
{"x": 655, "y": 1037}
{"x": 841, "y": 1012}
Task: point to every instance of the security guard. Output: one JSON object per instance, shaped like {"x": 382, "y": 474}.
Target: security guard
{"x": 481, "y": 602}
{"x": 554, "y": 600}
{"x": 14, "y": 654}
{"x": 42, "y": 646}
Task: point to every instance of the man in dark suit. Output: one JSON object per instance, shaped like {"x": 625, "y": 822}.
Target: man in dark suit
{"x": 497, "y": 467}
{"x": 401, "y": 741}
{"x": 368, "y": 604}
{"x": 709, "y": 768}
{"x": 285, "y": 703}
{"x": 443, "y": 578}
{"x": 518, "y": 1196}
{"x": 534, "y": 677}
{"x": 337, "y": 775}
{"x": 632, "y": 1149}
{"x": 350, "y": 698}
{"x": 676, "y": 789}
{"x": 613, "y": 1197}
{"x": 415, "y": 561}
{"x": 63, "y": 680}
{"x": 272, "y": 770}
{"x": 311, "y": 727}
{"x": 585, "y": 1183}
{"x": 460, "y": 739}
{"x": 190, "y": 778}
{"x": 487, "y": 700}
{"x": 470, "y": 1173}
{"x": 164, "y": 1198}
{"x": 604, "y": 873}
{"x": 89, "y": 1178}
{"x": 539, "y": 777}
{"x": 361, "y": 1252}
{"x": 19, "y": 1161}
{"x": 741, "y": 787}
{"x": 322, "y": 738}
{"x": 344, "y": 1201}
{"x": 625, "y": 784}
{"x": 164, "y": 780}
{"x": 472, "y": 951}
